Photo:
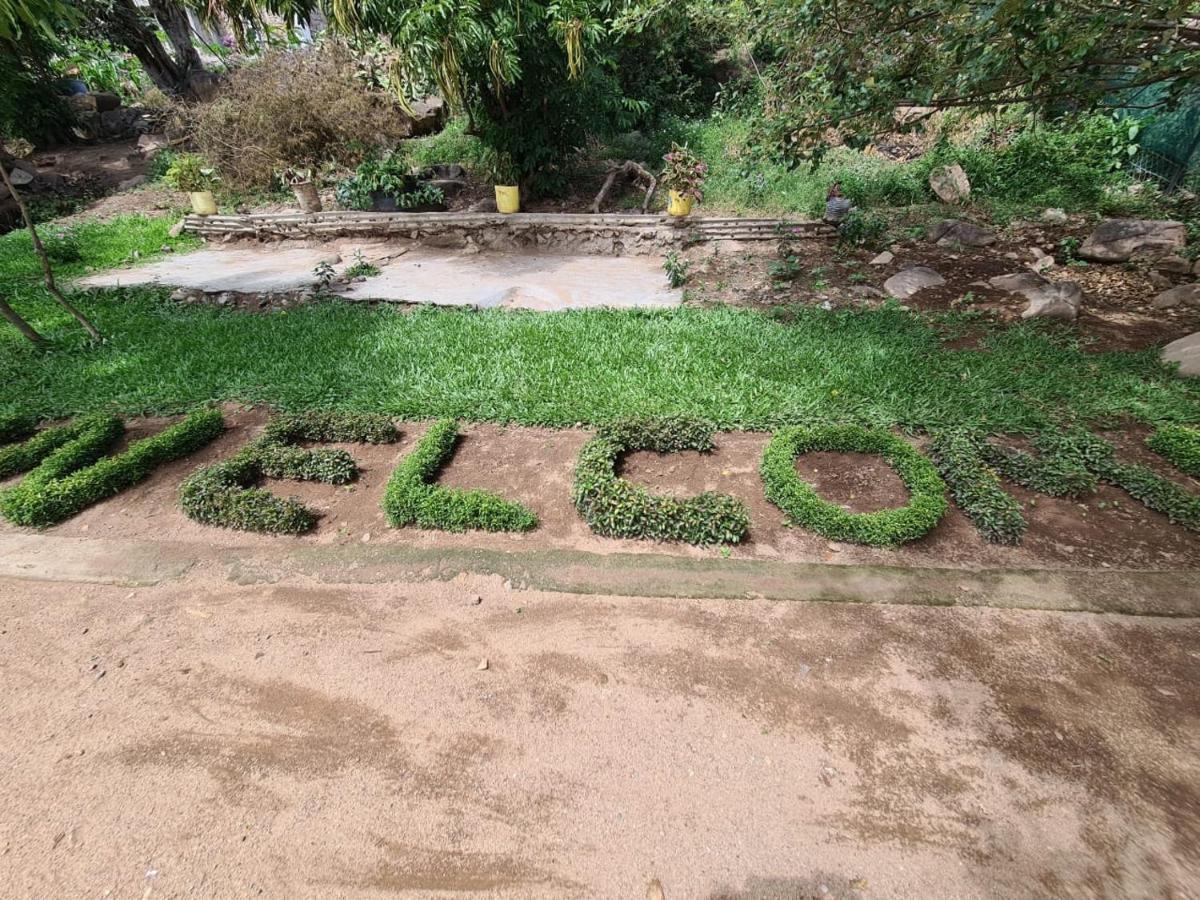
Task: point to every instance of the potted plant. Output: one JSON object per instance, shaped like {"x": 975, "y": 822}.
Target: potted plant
{"x": 300, "y": 180}
{"x": 189, "y": 172}
{"x": 683, "y": 175}
{"x": 505, "y": 180}
{"x": 388, "y": 186}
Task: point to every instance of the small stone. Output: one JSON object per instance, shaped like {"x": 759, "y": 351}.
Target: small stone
{"x": 180, "y": 294}
{"x": 956, "y": 233}
{"x": 483, "y": 664}
{"x": 225, "y": 298}
{"x": 366, "y": 537}
{"x": 1186, "y": 294}
{"x": 904, "y": 284}
{"x": 166, "y": 248}
{"x": 1054, "y": 216}
{"x": 176, "y": 229}
{"x": 883, "y": 259}
{"x": 474, "y": 600}
{"x": 1174, "y": 264}
{"x": 1042, "y": 264}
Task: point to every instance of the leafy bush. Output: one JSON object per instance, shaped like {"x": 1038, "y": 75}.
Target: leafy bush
{"x": 676, "y": 268}
{"x": 14, "y": 428}
{"x": 102, "y": 67}
{"x": 975, "y": 487}
{"x": 862, "y": 228}
{"x": 685, "y": 172}
{"x": 615, "y": 507}
{"x": 1097, "y": 456}
{"x": 887, "y": 527}
{"x": 190, "y": 172}
{"x": 222, "y": 494}
{"x": 412, "y": 498}
{"x": 390, "y": 177}
{"x": 74, "y": 476}
{"x": 1179, "y": 445}
{"x": 29, "y": 106}
{"x": 293, "y": 108}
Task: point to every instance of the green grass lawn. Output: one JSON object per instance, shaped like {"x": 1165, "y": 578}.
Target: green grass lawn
{"x": 736, "y": 367}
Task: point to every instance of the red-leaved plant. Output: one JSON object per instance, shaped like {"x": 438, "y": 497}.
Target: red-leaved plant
{"x": 685, "y": 172}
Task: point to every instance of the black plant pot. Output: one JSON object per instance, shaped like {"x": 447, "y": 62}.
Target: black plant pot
{"x": 382, "y": 202}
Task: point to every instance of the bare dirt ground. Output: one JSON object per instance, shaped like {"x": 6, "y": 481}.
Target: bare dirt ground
{"x": 1117, "y": 312}
{"x": 534, "y": 465}
{"x": 202, "y": 738}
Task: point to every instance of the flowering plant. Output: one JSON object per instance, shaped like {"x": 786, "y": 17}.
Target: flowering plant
{"x": 685, "y": 172}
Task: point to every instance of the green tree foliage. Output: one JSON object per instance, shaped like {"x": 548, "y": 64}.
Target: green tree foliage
{"x": 850, "y": 63}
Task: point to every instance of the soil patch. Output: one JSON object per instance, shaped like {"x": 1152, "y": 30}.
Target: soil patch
{"x": 341, "y": 740}
{"x": 535, "y": 466}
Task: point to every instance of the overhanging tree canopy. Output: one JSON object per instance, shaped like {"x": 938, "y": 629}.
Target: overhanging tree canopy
{"x": 850, "y": 63}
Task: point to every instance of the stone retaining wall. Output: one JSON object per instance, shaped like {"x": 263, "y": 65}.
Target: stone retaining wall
{"x": 580, "y": 233}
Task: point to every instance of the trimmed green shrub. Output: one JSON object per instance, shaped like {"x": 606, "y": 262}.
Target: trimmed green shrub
{"x": 77, "y": 474}
{"x": 412, "y": 497}
{"x": 1097, "y": 455}
{"x": 223, "y": 494}
{"x": 22, "y": 457}
{"x": 325, "y": 425}
{"x": 975, "y": 487}
{"x": 615, "y": 507}
{"x": 15, "y": 428}
{"x": 1179, "y": 445}
{"x": 1050, "y": 474}
{"x": 884, "y": 528}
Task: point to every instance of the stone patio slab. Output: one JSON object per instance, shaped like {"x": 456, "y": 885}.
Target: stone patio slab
{"x": 245, "y": 270}
{"x": 520, "y": 281}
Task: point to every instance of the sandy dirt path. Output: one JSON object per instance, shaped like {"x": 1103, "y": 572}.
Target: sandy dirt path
{"x": 200, "y": 738}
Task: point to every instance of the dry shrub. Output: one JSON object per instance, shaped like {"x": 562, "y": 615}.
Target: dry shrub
{"x": 293, "y": 108}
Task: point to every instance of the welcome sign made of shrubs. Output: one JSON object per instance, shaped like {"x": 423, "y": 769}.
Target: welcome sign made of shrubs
{"x": 67, "y": 469}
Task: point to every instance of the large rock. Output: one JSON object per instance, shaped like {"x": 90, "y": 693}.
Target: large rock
{"x": 950, "y": 183}
{"x": 429, "y": 115}
{"x": 1117, "y": 240}
{"x": 1047, "y": 299}
{"x": 904, "y": 284}
{"x": 1185, "y": 294}
{"x": 98, "y": 102}
{"x": 1186, "y": 352}
{"x": 954, "y": 233}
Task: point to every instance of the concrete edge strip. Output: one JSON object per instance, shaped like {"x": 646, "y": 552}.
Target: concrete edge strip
{"x": 107, "y": 561}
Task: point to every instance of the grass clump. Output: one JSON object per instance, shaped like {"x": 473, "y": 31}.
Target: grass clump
{"x": 883, "y": 528}
{"x": 76, "y": 474}
{"x": 1097, "y": 455}
{"x": 615, "y": 507}
{"x": 412, "y": 497}
{"x": 975, "y": 487}
{"x": 1179, "y": 445}
{"x": 223, "y": 494}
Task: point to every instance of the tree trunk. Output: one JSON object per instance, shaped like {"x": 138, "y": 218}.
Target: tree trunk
{"x": 174, "y": 21}
{"x": 124, "y": 25}
{"x": 11, "y": 315}
{"x": 47, "y": 271}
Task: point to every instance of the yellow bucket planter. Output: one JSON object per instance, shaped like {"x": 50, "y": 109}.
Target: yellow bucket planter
{"x": 679, "y": 205}
{"x": 508, "y": 198}
{"x": 203, "y": 203}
